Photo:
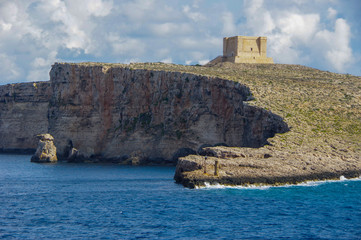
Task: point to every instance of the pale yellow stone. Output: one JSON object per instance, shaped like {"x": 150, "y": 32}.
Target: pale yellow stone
{"x": 243, "y": 49}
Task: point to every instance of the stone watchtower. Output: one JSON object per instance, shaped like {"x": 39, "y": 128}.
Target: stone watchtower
{"x": 241, "y": 49}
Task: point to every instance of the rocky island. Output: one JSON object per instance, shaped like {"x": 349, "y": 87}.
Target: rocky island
{"x": 257, "y": 123}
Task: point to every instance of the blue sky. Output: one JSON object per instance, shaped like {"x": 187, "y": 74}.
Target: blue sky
{"x": 324, "y": 34}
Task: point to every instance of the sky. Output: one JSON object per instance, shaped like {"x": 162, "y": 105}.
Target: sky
{"x": 323, "y": 34}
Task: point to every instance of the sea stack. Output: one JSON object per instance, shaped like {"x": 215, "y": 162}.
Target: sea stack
{"x": 46, "y": 151}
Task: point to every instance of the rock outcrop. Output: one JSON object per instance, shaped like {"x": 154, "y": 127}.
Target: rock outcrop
{"x": 262, "y": 166}
{"x": 46, "y": 151}
{"x": 117, "y": 113}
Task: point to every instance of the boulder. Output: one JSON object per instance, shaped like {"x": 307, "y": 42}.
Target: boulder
{"x": 46, "y": 151}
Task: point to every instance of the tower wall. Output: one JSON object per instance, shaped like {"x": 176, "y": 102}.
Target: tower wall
{"x": 241, "y": 49}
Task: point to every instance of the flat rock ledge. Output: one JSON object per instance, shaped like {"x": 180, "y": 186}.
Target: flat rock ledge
{"x": 262, "y": 166}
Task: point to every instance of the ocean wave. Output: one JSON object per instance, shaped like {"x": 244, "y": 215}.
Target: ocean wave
{"x": 207, "y": 185}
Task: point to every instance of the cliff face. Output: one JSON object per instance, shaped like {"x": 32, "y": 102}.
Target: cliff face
{"x": 23, "y": 115}
{"x": 115, "y": 112}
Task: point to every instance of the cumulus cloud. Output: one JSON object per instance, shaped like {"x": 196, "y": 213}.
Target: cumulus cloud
{"x": 335, "y": 45}
{"x": 72, "y": 19}
{"x": 8, "y": 69}
{"x": 258, "y": 19}
{"x": 301, "y": 27}
{"x": 229, "y": 26}
{"x": 331, "y": 13}
{"x": 40, "y": 67}
{"x": 35, "y": 33}
{"x": 126, "y": 46}
{"x": 8, "y": 15}
{"x": 192, "y": 14}
{"x": 299, "y": 37}
{"x": 166, "y": 60}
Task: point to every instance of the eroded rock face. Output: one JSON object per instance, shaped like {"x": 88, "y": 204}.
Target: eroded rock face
{"x": 115, "y": 113}
{"x": 46, "y": 151}
{"x": 23, "y": 114}
{"x": 111, "y": 112}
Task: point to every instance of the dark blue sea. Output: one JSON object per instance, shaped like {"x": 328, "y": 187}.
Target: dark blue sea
{"x": 108, "y": 201}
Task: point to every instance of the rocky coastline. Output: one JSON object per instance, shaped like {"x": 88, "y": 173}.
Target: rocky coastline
{"x": 262, "y": 166}
{"x": 131, "y": 115}
{"x": 231, "y": 124}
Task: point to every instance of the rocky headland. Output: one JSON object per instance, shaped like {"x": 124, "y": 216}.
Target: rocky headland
{"x": 127, "y": 114}
{"x": 260, "y": 124}
{"x": 323, "y": 111}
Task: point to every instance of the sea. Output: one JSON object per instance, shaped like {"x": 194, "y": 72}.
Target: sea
{"x": 110, "y": 201}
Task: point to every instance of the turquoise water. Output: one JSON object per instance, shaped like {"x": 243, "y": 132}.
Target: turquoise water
{"x": 99, "y": 201}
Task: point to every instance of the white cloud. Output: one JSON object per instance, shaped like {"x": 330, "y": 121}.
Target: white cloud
{"x": 258, "y": 18}
{"x": 36, "y": 30}
{"x": 196, "y": 16}
{"x": 73, "y": 19}
{"x": 40, "y": 70}
{"x": 229, "y": 27}
{"x": 34, "y": 33}
{"x": 97, "y": 8}
{"x": 169, "y": 28}
{"x": 204, "y": 61}
{"x": 8, "y": 11}
{"x": 188, "y": 42}
{"x": 301, "y": 27}
{"x": 335, "y": 45}
{"x": 138, "y": 9}
{"x": 125, "y": 45}
{"x": 166, "y": 60}
{"x": 293, "y": 33}
{"x": 8, "y": 68}
{"x": 332, "y": 13}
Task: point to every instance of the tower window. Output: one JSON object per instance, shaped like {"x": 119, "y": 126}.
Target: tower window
{"x": 251, "y": 49}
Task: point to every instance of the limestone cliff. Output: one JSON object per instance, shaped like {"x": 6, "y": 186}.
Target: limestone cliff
{"x": 110, "y": 112}
{"x": 23, "y": 115}
{"x": 116, "y": 113}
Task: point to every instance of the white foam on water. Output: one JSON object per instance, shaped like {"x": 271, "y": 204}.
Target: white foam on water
{"x": 207, "y": 185}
